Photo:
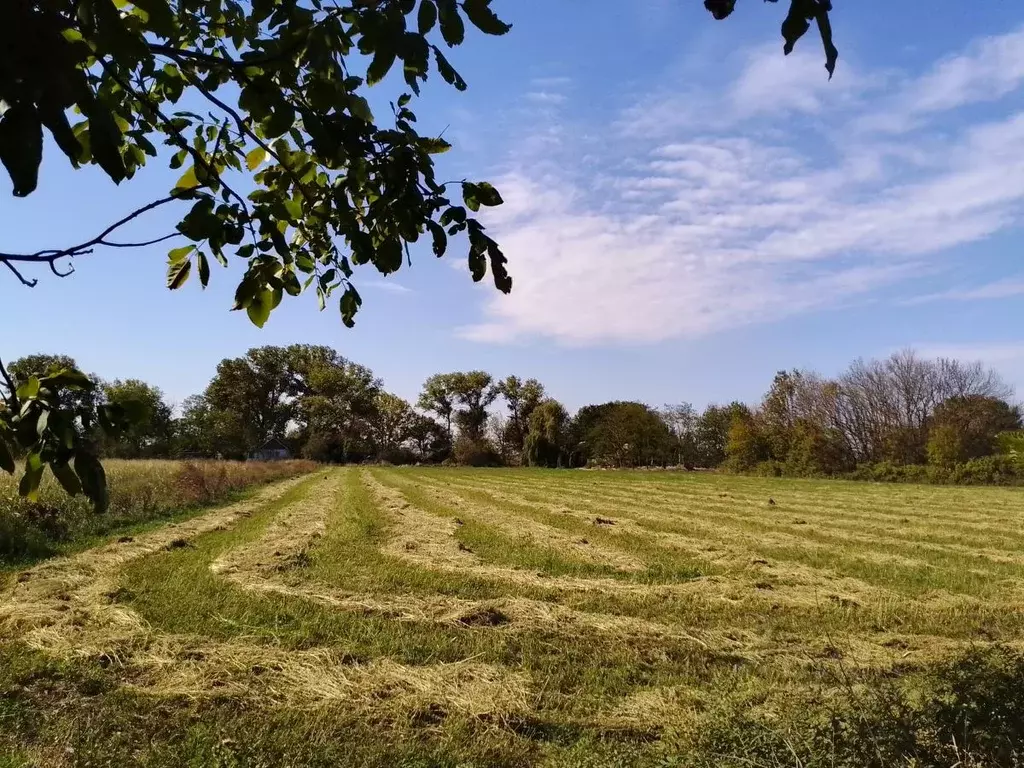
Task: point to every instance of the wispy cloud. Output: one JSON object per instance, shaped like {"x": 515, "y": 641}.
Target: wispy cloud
{"x": 1001, "y": 289}
{"x": 545, "y": 97}
{"x": 706, "y": 212}
{"x": 987, "y": 70}
{"x": 388, "y": 286}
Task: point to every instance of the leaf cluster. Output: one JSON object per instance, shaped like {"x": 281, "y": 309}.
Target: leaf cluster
{"x": 38, "y": 428}
{"x": 271, "y": 93}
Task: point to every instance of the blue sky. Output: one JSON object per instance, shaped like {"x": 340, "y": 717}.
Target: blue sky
{"x": 687, "y": 212}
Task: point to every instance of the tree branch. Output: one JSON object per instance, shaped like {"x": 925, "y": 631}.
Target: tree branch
{"x": 50, "y": 256}
{"x": 21, "y": 277}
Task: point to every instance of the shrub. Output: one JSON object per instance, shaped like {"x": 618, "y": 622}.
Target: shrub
{"x": 770, "y": 469}
{"x": 475, "y": 453}
{"x": 989, "y": 470}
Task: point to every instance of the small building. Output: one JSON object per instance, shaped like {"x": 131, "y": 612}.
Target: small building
{"x": 272, "y": 450}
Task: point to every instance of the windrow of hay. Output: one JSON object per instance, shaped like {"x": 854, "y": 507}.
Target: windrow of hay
{"x": 64, "y": 607}
{"x": 537, "y": 533}
{"x": 319, "y": 676}
{"x": 428, "y": 541}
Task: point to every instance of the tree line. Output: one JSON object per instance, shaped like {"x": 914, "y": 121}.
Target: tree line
{"x": 900, "y": 411}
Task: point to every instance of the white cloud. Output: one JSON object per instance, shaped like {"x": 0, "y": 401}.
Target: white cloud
{"x": 715, "y": 216}
{"x": 388, "y": 286}
{"x": 770, "y": 83}
{"x": 1001, "y": 289}
{"x": 545, "y": 97}
{"x": 989, "y": 69}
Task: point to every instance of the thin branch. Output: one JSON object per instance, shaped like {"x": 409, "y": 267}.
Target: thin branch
{"x": 142, "y": 245}
{"x": 70, "y": 269}
{"x": 50, "y": 256}
{"x": 21, "y": 277}
{"x": 12, "y": 391}
{"x": 134, "y": 215}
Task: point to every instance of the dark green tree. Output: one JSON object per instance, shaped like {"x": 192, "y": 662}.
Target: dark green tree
{"x": 474, "y": 394}
{"x": 521, "y": 398}
{"x": 439, "y": 397}
{"x": 151, "y": 430}
{"x": 712, "y": 432}
{"x": 547, "y": 435}
{"x": 256, "y": 391}
{"x": 964, "y": 428}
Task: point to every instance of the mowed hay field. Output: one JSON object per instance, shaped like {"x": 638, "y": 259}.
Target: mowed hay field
{"x": 377, "y": 616}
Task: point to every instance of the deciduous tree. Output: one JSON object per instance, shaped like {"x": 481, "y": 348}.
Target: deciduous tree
{"x": 150, "y": 430}
{"x": 546, "y": 437}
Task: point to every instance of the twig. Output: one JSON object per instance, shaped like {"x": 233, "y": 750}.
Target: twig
{"x": 51, "y": 255}
{"x": 12, "y": 390}
{"x": 21, "y": 277}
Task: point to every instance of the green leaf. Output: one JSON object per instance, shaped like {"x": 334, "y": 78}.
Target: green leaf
{"x": 502, "y": 279}
{"x": 177, "y": 273}
{"x": 427, "y": 16}
{"x": 796, "y": 23}
{"x": 440, "y": 238}
{"x": 360, "y": 108}
{"x": 720, "y": 9}
{"x": 6, "y": 457}
{"x": 453, "y": 29}
{"x": 831, "y": 52}
{"x": 21, "y": 147}
{"x": 434, "y": 146}
{"x": 160, "y": 17}
{"x": 280, "y": 120}
{"x": 383, "y": 60}
{"x": 255, "y": 159}
{"x": 470, "y": 195}
{"x": 488, "y": 195}
{"x": 67, "y": 478}
{"x": 29, "y": 484}
{"x": 260, "y": 307}
{"x": 68, "y": 378}
{"x": 56, "y": 120}
{"x": 93, "y": 479}
{"x": 479, "y": 194}
{"x": 179, "y": 254}
{"x": 350, "y": 303}
{"x": 448, "y": 71}
{"x": 105, "y": 139}
{"x": 483, "y": 18}
{"x": 189, "y": 179}
{"x": 28, "y": 389}
{"x": 203, "y": 265}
